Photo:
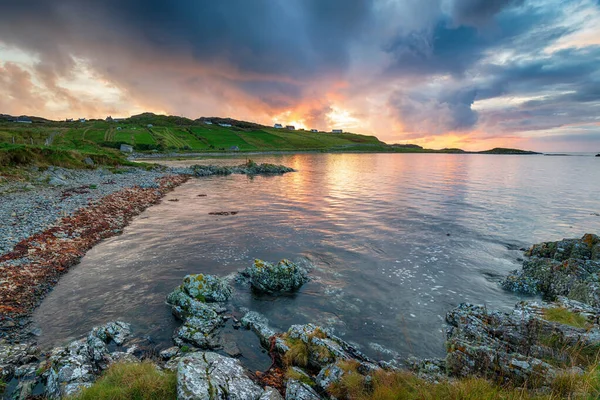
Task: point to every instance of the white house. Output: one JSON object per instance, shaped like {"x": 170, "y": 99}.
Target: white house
{"x": 24, "y": 120}
{"x": 82, "y": 120}
{"x": 225, "y": 125}
{"x": 208, "y": 122}
{"x": 277, "y": 126}
{"x": 337, "y": 131}
{"x": 125, "y": 148}
{"x": 314, "y": 130}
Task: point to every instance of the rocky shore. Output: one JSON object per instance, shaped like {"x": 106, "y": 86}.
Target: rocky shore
{"x": 51, "y": 221}
{"x": 542, "y": 348}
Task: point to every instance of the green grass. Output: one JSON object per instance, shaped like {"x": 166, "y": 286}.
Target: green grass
{"x": 141, "y": 381}
{"x": 564, "y": 316}
{"x": 403, "y": 385}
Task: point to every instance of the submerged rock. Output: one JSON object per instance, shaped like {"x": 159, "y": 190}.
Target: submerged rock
{"x": 570, "y": 267}
{"x": 285, "y": 276}
{"x": 211, "y": 376}
{"x": 259, "y": 324}
{"x": 250, "y": 168}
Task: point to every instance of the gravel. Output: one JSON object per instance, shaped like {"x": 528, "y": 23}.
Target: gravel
{"x": 29, "y": 208}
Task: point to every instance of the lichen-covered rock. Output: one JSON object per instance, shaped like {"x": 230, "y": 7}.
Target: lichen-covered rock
{"x": 14, "y": 355}
{"x": 570, "y": 267}
{"x": 430, "y": 369}
{"x": 169, "y": 353}
{"x": 206, "y": 288}
{"x": 270, "y": 394}
{"x": 296, "y": 390}
{"x": 525, "y": 346}
{"x": 259, "y": 324}
{"x": 285, "y": 276}
{"x": 208, "y": 376}
{"x": 76, "y": 366}
{"x": 329, "y": 375}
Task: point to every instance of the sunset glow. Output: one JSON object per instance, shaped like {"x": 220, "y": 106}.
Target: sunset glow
{"x": 436, "y": 75}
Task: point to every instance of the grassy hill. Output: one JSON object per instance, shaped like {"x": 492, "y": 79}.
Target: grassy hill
{"x": 158, "y": 133}
{"x": 149, "y": 132}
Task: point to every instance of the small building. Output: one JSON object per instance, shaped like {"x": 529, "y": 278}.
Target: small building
{"x": 225, "y": 125}
{"x": 118, "y": 119}
{"x": 69, "y": 120}
{"x": 290, "y": 128}
{"x": 82, "y": 120}
{"x": 208, "y": 122}
{"x": 278, "y": 126}
{"x": 119, "y": 128}
{"x": 109, "y": 119}
{"x": 125, "y": 148}
{"x": 314, "y": 130}
{"x": 24, "y": 120}
{"x": 337, "y": 131}
{"x": 234, "y": 148}
{"x": 150, "y": 125}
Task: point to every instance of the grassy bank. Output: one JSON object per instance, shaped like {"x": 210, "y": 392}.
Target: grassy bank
{"x": 155, "y": 133}
{"x": 142, "y": 381}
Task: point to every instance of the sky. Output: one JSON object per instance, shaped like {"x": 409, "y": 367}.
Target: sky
{"x": 473, "y": 74}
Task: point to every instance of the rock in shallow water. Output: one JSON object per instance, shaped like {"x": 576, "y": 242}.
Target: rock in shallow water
{"x": 285, "y": 276}
{"x": 208, "y": 376}
{"x": 207, "y": 288}
{"x": 570, "y": 267}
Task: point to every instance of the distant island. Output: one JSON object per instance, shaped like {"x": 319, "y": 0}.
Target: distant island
{"x": 153, "y": 134}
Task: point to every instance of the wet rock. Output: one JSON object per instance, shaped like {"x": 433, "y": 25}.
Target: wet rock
{"x": 211, "y": 376}
{"x": 206, "y": 288}
{"x": 521, "y": 347}
{"x": 88, "y": 161}
{"x": 570, "y": 267}
{"x": 259, "y": 324}
{"x": 296, "y": 390}
{"x": 284, "y": 276}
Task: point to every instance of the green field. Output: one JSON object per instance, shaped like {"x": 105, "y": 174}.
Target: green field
{"x": 169, "y": 134}
{"x": 156, "y": 133}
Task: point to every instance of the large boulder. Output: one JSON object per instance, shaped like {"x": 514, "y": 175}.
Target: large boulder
{"x": 285, "y": 276}
{"x": 296, "y": 390}
{"x": 570, "y": 267}
{"x": 209, "y": 376}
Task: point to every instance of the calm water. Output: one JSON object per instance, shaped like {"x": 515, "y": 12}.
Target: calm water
{"x": 395, "y": 240}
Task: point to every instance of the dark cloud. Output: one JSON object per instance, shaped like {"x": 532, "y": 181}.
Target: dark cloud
{"x": 435, "y": 113}
{"x": 478, "y": 12}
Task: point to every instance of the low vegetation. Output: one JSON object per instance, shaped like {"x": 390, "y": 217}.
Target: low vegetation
{"x": 158, "y": 133}
{"x": 139, "y": 381}
{"x": 563, "y": 316}
{"x": 384, "y": 385}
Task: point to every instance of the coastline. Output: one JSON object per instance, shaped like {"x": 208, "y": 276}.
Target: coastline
{"x": 33, "y": 267}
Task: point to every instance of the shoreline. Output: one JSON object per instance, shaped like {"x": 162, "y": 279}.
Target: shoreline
{"x": 33, "y": 267}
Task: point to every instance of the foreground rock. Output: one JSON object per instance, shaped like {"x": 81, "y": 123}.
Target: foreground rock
{"x": 195, "y": 302}
{"x": 285, "y": 276}
{"x": 207, "y": 376}
{"x": 570, "y": 267}
{"x": 524, "y": 347}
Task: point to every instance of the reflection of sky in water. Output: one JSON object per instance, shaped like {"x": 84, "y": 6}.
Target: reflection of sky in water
{"x": 396, "y": 240}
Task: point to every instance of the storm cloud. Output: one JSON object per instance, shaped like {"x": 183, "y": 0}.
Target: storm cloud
{"x": 410, "y": 70}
